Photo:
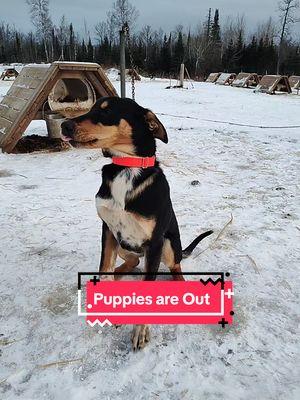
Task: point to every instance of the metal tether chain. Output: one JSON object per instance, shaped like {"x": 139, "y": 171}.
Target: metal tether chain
{"x": 132, "y": 66}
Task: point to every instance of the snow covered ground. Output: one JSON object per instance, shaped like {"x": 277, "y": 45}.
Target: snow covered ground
{"x": 49, "y": 231}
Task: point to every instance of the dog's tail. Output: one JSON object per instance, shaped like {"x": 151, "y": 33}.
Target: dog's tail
{"x": 188, "y": 251}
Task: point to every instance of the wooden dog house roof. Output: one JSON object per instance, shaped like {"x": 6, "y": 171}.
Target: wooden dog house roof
{"x": 213, "y": 77}
{"x": 225, "y": 79}
{"x": 26, "y": 97}
{"x": 246, "y": 80}
{"x": 294, "y": 82}
{"x": 274, "y": 83}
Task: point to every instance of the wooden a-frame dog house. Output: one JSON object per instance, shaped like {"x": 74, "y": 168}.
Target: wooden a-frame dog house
{"x": 273, "y": 84}
{"x": 67, "y": 88}
{"x": 295, "y": 82}
{"x": 225, "y": 79}
{"x": 246, "y": 80}
{"x": 213, "y": 77}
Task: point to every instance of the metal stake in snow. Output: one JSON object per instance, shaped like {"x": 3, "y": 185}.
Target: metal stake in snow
{"x": 123, "y": 33}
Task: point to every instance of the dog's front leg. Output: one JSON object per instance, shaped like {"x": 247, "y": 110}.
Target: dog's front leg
{"x": 108, "y": 251}
{"x": 152, "y": 259}
{"x": 141, "y": 333}
{"x": 108, "y": 254}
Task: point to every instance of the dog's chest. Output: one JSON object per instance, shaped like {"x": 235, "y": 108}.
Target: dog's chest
{"x": 127, "y": 227}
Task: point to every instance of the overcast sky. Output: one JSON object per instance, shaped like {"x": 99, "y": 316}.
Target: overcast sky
{"x": 157, "y": 13}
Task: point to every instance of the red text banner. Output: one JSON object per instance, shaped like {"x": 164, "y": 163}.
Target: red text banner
{"x": 158, "y": 302}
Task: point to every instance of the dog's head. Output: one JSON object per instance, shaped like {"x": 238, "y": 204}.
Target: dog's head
{"x": 116, "y": 125}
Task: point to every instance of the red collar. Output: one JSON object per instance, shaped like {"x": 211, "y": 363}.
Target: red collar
{"x": 134, "y": 162}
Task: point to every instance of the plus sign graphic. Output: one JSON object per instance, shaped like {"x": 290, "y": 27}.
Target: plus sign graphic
{"x": 229, "y": 293}
{"x": 95, "y": 280}
{"x": 223, "y": 322}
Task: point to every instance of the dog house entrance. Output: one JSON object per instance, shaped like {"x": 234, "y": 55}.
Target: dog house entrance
{"x": 71, "y": 97}
{"x": 69, "y": 90}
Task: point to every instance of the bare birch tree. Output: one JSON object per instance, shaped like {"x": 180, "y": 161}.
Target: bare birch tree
{"x": 145, "y": 35}
{"x": 287, "y": 10}
{"x": 40, "y": 18}
{"x": 107, "y": 29}
{"x": 123, "y": 12}
{"x": 101, "y": 31}
{"x": 266, "y": 29}
{"x": 62, "y": 35}
{"x": 200, "y": 46}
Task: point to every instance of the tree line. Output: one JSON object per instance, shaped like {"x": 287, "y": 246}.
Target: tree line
{"x": 208, "y": 48}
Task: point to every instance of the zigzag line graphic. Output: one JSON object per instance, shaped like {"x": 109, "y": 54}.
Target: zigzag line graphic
{"x": 209, "y": 280}
{"x": 97, "y": 322}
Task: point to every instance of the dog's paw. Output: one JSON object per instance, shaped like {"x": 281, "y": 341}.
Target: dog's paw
{"x": 140, "y": 337}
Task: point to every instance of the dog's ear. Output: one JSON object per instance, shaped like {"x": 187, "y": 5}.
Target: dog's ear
{"x": 156, "y": 127}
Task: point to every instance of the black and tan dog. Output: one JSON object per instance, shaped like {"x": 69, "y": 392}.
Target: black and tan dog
{"x": 134, "y": 198}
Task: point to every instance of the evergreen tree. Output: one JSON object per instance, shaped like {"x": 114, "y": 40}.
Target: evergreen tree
{"x": 207, "y": 25}
{"x": 261, "y": 66}
{"x": 17, "y": 48}
{"x": 293, "y": 60}
{"x": 239, "y": 53}
{"x": 228, "y": 57}
{"x": 178, "y": 52}
{"x": 71, "y": 43}
{"x": 165, "y": 55}
{"x": 250, "y": 59}
{"x": 90, "y": 51}
{"x": 215, "y": 34}
{"x": 213, "y": 53}
{"x": 82, "y": 53}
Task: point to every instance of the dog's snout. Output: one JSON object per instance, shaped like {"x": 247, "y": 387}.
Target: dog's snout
{"x": 68, "y": 128}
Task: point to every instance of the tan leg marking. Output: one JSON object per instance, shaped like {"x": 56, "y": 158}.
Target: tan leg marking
{"x": 110, "y": 255}
{"x": 177, "y": 269}
{"x": 168, "y": 259}
{"x": 131, "y": 261}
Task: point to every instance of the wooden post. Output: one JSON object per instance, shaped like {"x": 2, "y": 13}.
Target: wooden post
{"x": 181, "y": 75}
{"x": 122, "y": 61}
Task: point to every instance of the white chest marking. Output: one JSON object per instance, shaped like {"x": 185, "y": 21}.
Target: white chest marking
{"x": 121, "y": 185}
{"x": 133, "y": 230}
